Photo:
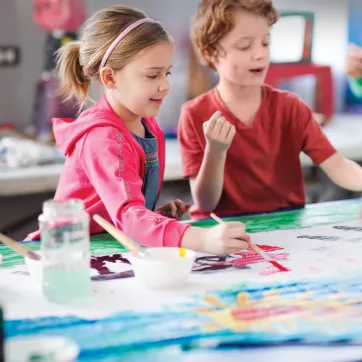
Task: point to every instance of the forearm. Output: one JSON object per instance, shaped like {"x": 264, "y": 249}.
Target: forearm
{"x": 156, "y": 231}
{"x": 345, "y": 173}
{"x": 207, "y": 187}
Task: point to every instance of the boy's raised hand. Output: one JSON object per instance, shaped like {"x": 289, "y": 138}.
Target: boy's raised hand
{"x": 219, "y": 133}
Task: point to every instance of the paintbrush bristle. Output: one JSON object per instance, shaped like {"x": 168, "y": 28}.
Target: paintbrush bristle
{"x": 279, "y": 266}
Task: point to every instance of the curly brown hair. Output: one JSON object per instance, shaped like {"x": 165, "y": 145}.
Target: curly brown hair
{"x": 214, "y": 19}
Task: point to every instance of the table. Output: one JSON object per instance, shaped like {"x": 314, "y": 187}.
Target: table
{"x": 344, "y": 131}
{"x": 85, "y": 323}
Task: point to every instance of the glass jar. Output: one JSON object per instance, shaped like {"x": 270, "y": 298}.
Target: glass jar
{"x": 65, "y": 248}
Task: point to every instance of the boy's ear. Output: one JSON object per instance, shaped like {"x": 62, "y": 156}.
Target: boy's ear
{"x": 212, "y": 58}
{"x": 107, "y": 76}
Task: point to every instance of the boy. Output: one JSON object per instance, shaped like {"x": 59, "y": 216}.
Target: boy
{"x": 245, "y": 158}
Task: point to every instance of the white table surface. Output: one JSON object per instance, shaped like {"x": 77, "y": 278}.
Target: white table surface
{"x": 345, "y": 133}
{"x": 21, "y": 298}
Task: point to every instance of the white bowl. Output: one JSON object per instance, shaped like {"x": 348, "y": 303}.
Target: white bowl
{"x": 51, "y": 348}
{"x": 163, "y": 267}
{"x": 35, "y": 268}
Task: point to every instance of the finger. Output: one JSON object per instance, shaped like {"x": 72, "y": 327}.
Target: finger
{"x": 210, "y": 124}
{"x": 181, "y": 208}
{"x": 234, "y": 224}
{"x": 357, "y": 58}
{"x": 354, "y": 49}
{"x": 215, "y": 116}
{"x": 173, "y": 209}
{"x": 218, "y": 125}
{"x": 237, "y": 245}
{"x": 236, "y": 231}
{"x": 178, "y": 203}
{"x": 353, "y": 64}
{"x": 225, "y": 130}
{"x": 230, "y": 136}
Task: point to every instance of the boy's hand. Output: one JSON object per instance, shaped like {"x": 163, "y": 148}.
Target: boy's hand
{"x": 219, "y": 133}
{"x": 174, "y": 209}
{"x": 353, "y": 64}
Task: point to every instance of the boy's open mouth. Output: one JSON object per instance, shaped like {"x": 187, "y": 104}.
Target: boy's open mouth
{"x": 256, "y": 70}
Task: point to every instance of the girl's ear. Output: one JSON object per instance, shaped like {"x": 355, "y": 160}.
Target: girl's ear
{"x": 107, "y": 77}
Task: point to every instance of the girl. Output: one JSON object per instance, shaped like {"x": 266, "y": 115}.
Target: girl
{"x": 115, "y": 149}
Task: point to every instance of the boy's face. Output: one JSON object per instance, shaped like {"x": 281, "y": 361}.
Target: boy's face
{"x": 244, "y": 55}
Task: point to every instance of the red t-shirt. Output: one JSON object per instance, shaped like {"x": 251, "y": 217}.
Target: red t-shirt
{"x": 262, "y": 170}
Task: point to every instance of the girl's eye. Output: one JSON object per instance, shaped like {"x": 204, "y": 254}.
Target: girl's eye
{"x": 168, "y": 73}
{"x": 152, "y": 76}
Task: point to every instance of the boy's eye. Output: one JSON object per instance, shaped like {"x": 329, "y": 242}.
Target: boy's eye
{"x": 168, "y": 73}
{"x": 153, "y": 76}
{"x": 244, "y": 48}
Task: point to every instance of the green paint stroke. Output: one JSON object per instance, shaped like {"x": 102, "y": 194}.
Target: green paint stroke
{"x": 103, "y": 244}
{"x": 312, "y": 215}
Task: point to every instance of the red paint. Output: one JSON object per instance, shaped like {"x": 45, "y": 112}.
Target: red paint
{"x": 251, "y": 257}
{"x": 254, "y": 313}
{"x": 272, "y": 270}
{"x": 237, "y": 260}
{"x": 279, "y": 266}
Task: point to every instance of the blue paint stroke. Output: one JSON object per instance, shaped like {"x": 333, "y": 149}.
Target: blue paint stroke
{"x": 182, "y": 326}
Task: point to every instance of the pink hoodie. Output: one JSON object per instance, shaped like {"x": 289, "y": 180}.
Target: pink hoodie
{"x": 105, "y": 167}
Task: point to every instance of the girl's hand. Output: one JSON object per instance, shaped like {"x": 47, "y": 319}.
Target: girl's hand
{"x": 174, "y": 209}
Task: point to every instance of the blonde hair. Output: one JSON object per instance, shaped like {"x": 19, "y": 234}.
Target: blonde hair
{"x": 78, "y": 61}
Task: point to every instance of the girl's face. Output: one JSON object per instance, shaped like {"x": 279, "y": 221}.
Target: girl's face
{"x": 142, "y": 84}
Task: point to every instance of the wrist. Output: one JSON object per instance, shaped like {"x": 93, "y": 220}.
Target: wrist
{"x": 194, "y": 238}
{"x": 215, "y": 151}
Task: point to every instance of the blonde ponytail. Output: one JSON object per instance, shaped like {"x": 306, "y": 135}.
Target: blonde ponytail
{"x": 78, "y": 62}
{"x": 73, "y": 82}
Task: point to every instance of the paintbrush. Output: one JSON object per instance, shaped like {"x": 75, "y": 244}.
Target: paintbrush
{"x": 19, "y": 248}
{"x": 121, "y": 237}
{"x": 256, "y": 248}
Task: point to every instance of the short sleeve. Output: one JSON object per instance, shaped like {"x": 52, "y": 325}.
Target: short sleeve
{"x": 315, "y": 144}
{"x": 192, "y": 150}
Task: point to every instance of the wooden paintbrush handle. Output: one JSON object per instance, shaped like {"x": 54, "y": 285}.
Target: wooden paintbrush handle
{"x": 120, "y": 236}
{"x": 261, "y": 252}
{"x": 18, "y": 248}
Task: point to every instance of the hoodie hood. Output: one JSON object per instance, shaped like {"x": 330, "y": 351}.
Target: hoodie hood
{"x": 68, "y": 131}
